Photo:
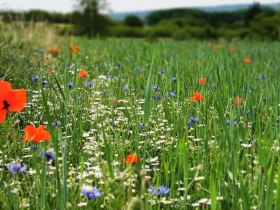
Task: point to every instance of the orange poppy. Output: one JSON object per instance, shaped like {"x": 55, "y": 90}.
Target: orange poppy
{"x": 238, "y": 100}
{"x": 202, "y": 81}
{"x": 47, "y": 58}
{"x": 197, "y": 97}
{"x": 231, "y": 49}
{"x": 82, "y": 73}
{"x": 131, "y": 158}
{"x": 54, "y": 50}
{"x": 75, "y": 48}
{"x": 247, "y": 61}
{"x": 11, "y": 100}
{"x": 36, "y": 135}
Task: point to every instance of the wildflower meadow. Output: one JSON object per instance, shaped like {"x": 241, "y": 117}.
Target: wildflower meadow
{"x": 139, "y": 124}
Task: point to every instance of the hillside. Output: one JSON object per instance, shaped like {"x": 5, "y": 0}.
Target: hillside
{"x": 220, "y": 8}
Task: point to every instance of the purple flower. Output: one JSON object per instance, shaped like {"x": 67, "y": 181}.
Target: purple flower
{"x": 162, "y": 72}
{"x": 141, "y": 127}
{"x": 138, "y": 69}
{"x": 35, "y": 147}
{"x": 192, "y": 121}
{"x": 89, "y": 84}
{"x": 15, "y": 167}
{"x": 49, "y": 156}
{"x": 228, "y": 122}
{"x": 45, "y": 83}
{"x": 156, "y": 88}
{"x": 70, "y": 85}
{"x": 126, "y": 88}
{"x": 56, "y": 123}
{"x": 172, "y": 94}
{"x": 91, "y": 192}
{"x": 174, "y": 79}
{"x": 162, "y": 190}
{"x": 157, "y": 97}
{"x": 35, "y": 78}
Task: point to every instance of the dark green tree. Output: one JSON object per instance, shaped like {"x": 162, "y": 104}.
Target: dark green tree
{"x": 253, "y": 11}
{"x": 89, "y": 21}
{"x": 133, "y": 21}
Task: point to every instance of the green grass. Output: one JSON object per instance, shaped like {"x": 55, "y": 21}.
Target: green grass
{"x": 235, "y": 166}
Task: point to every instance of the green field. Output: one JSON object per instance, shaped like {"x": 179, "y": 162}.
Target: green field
{"x": 218, "y": 151}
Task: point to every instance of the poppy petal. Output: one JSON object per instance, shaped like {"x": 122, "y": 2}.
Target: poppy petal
{"x": 30, "y": 132}
{"x": 41, "y": 134}
{"x": 17, "y": 100}
{"x": 5, "y": 88}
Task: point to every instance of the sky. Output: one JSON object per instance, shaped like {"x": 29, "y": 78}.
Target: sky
{"x": 118, "y": 5}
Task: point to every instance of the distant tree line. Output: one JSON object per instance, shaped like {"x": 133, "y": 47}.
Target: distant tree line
{"x": 256, "y": 22}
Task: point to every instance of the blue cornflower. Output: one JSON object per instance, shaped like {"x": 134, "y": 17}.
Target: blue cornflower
{"x": 126, "y": 88}
{"x": 15, "y": 167}
{"x": 156, "y": 88}
{"x": 91, "y": 192}
{"x": 174, "y": 79}
{"x": 228, "y": 122}
{"x": 70, "y": 85}
{"x": 138, "y": 69}
{"x": 192, "y": 121}
{"x": 35, "y": 78}
{"x": 172, "y": 94}
{"x": 45, "y": 83}
{"x": 141, "y": 127}
{"x": 162, "y": 190}
{"x": 49, "y": 156}
{"x": 162, "y": 72}
{"x": 111, "y": 122}
{"x": 89, "y": 84}
{"x": 35, "y": 147}
{"x": 56, "y": 123}
{"x": 157, "y": 97}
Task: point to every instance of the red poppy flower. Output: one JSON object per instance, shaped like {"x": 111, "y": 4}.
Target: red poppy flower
{"x": 132, "y": 158}
{"x": 197, "y": 97}
{"x": 82, "y": 73}
{"x": 11, "y": 100}
{"x": 238, "y": 100}
{"x": 231, "y": 49}
{"x": 36, "y": 135}
{"x": 54, "y": 50}
{"x": 75, "y": 49}
{"x": 247, "y": 61}
{"x": 202, "y": 81}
